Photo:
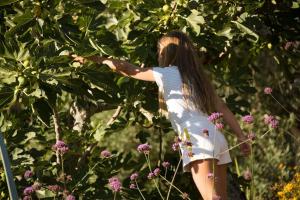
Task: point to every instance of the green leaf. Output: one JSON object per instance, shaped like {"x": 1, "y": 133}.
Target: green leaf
{"x": 21, "y": 21}
{"x": 194, "y": 19}
{"x": 42, "y": 194}
{"x": 226, "y": 32}
{"x": 246, "y": 30}
{"x": 7, "y": 2}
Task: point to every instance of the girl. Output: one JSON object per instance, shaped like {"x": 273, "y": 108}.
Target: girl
{"x": 189, "y": 97}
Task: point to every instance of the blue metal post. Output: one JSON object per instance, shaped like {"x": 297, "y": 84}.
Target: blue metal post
{"x": 8, "y": 174}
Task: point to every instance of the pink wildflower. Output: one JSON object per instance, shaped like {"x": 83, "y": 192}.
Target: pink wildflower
{"x": 268, "y": 118}
{"x": 156, "y": 171}
{"x": 166, "y": 164}
{"x": 61, "y": 147}
{"x": 115, "y": 184}
{"x": 70, "y": 197}
{"x": 26, "y": 198}
{"x": 134, "y": 176}
{"x": 28, "y": 191}
{"x": 105, "y": 154}
{"x": 214, "y": 116}
{"x": 219, "y": 125}
{"x": 132, "y": 186}
{"x": 150, "y": 175}
{"x": 54, "y": 188}
{"x": 268, "y": 90}
{"x": 175, "y": 146}
{"x": 274, "y": 123}
{"x": 144, "y": 148}
{"x": 247, "y": 119}
{"x": 28, "y": 174}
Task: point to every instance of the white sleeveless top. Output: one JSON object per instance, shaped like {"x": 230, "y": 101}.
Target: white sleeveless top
{"x": 169, "y": 81}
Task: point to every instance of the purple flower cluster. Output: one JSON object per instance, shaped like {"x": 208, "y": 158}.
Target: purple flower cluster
{"x": 54, "y": 188}
{"x": 268, "y": 90}
{"x": 166, "y": 164}
{"x": 70, "y": 197}
{"x": 144, "y": 148}
{"x": 115, "y": 184}
{"x": 155, "y": 172}
{"x": 248, "y": 119}
{"x": 175, "y": 146}
{"x": 271, "y": 120}
{"x": 105, "y": 154}
{"x": 31, "y": 189}
{"x": 28, "y": 174}
{"x": 215, "y": 116}
{"x": 134, "y": 176}
{"x": 61, "y": 147}
{"x": 28, "y": 191}
{"x": 219, "y": 125}
{"x": 132, "y": 186}
{"x": 150, "y": 175}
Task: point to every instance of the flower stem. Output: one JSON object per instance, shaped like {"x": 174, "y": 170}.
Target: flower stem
{"x": 115, "y": 195}
{"x": 173, "y": 178}
{"x": 148, "y": 161}
{"x": 265, "y": 133}
{"x": 283, "y": 106}
{"x": 156, "y": 185}
{"x": 252, "y": 171}
{"x": 137, "y": 186}
{"x": 172, "y": 185}
{"x": 63, "y": 171}
{"x": 249, "y": 139}
{"x": 84, "y": 177}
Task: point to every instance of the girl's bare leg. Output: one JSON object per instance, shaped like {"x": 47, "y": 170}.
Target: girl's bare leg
{"x": 221, "y": 181}
{"x": 200, "y": 170}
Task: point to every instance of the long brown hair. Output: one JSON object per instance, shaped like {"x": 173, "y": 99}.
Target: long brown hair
{"x": 175, "y": 48}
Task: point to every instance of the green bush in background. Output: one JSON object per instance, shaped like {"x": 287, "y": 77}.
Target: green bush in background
{"x": 44, "y": 95}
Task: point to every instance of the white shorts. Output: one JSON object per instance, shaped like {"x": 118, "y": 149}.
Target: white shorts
{"x": 211, "y": 146}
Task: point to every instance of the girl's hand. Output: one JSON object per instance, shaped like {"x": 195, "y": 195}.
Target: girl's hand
{"x": 245, "y": 146}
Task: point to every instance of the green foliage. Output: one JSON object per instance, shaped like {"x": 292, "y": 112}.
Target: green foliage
{"x": 246, "y": 45}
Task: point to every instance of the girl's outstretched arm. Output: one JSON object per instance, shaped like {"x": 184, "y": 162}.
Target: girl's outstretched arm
{"x": 123, "y": 67}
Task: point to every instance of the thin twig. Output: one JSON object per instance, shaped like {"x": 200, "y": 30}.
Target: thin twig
{"x": 173, "y": 178}
{"x": 284, "y": 107}
{"x": 173, "y": 185}
{"x": 115, "y": 115}
{"x": 57, "y": 129}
